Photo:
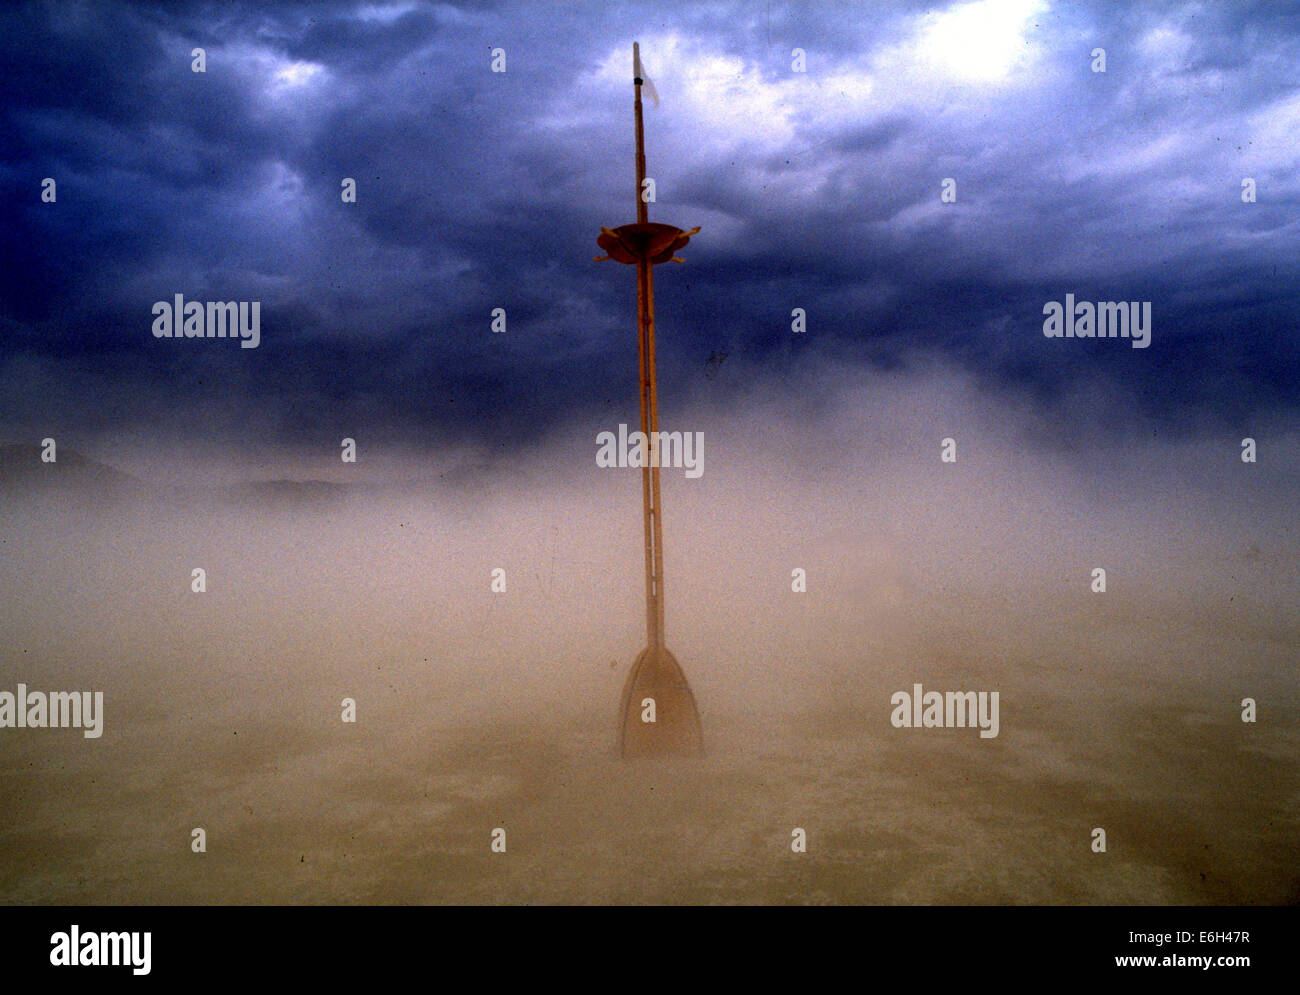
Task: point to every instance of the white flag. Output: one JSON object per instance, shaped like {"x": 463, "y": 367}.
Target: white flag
{"x": 639, "y": 73}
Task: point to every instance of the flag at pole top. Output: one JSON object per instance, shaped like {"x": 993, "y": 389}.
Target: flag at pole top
{"x": 638, "y": 73}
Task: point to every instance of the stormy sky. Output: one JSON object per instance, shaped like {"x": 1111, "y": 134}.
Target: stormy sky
{"x": 479, "y": 190}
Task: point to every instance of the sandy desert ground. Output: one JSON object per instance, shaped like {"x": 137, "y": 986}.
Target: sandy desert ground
{"x": 479, "y": 710}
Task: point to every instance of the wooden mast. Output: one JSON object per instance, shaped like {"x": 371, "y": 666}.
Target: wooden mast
{"x": 656, "y": 679}
{"x": 650, "y": 494}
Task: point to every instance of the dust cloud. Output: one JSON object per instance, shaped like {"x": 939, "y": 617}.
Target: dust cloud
{"x": 478, "y": 710}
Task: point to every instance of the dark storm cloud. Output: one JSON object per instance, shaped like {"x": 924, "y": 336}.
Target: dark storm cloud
{"x": 479, "y": 190}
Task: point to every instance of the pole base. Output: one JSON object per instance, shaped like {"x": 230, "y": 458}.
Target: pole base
{"x": 657, "y": 687}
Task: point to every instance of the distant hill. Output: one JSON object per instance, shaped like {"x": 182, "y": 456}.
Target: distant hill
{"x": 23, "y": 474}
{"x": 280, "y": 495}
{"x": 78, "y": 478}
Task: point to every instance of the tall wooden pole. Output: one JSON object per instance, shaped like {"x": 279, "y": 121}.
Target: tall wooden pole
{"x": 656, "y": 678}
{"x": 650, "y": 495}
